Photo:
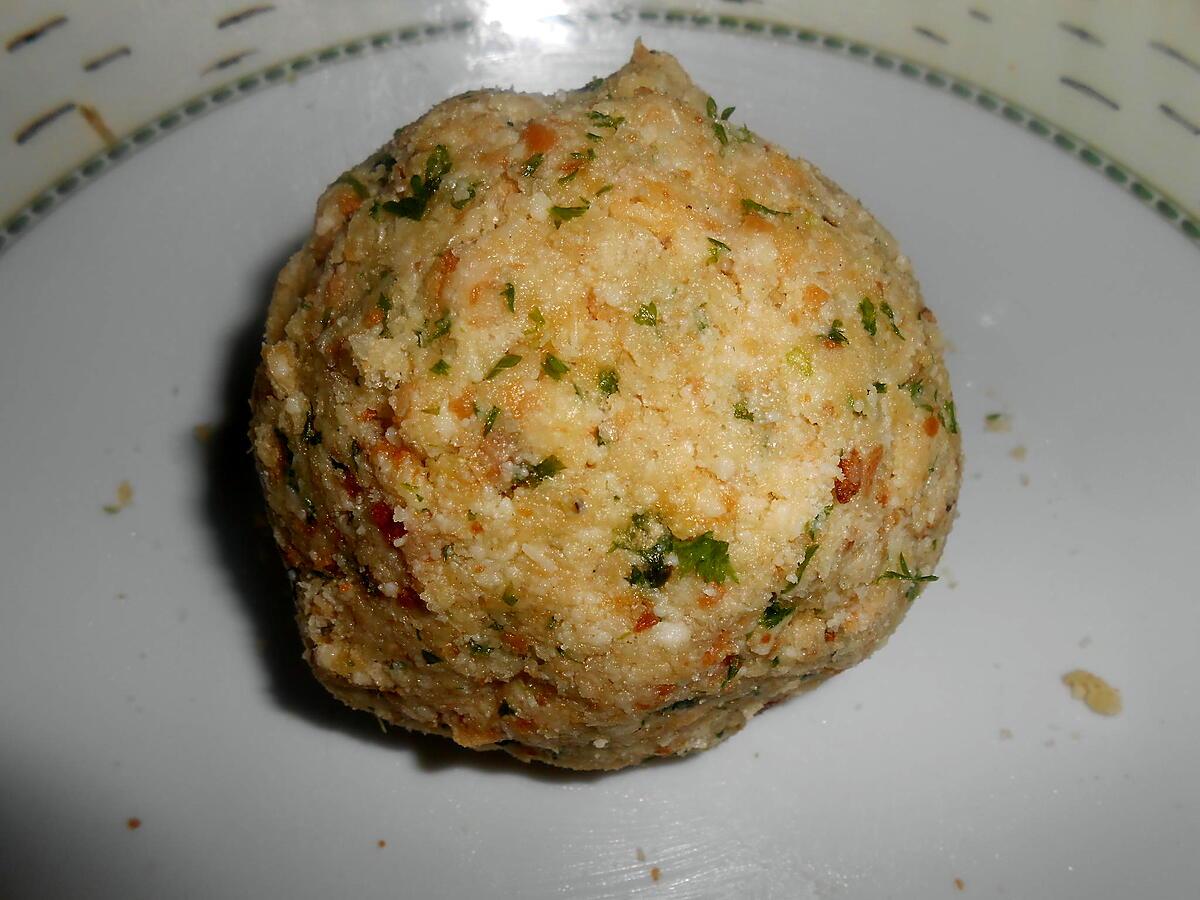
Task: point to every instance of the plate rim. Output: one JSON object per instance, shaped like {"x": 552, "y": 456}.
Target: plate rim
{"x": 58, "y": 190}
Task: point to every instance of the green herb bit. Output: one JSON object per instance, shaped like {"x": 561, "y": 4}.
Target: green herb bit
{"x": 734, "y": 667}
{"x": 439, "y": 368}
{"x": 588, "y": 154}
{"x": 406, "y": 207}
{"x": 711, "y": 108}
{"x": 507, "y": 361}
{"x": 715, "y": 249}
{"x": 310, "y": 435}
{"x": 686, "y": 703}
{"x": 384, "y": 304}
{"x": 743, "y": 135}
{"x": 604, "y": 190}
{"x": 836, "y": 335}
{"x": 508, "y": 598}
{"x": 809, "y": 552}
{"x": 357, "y": 186}
{"x": 536, "y": 320}
{"x": 489, "y": 421}
{"x": 531, "y": 165}
{"x": 604, "y": 120}
{"x": 539, "y": 472}
{"x": 880, "y": 387}
{"x": 509, "y": 293}
{"x": 753, "y": 206}
{"x": 706, "y": 557}
{"x": 441, "y": 328}
{"x": 903, "y": 573}
{"x": 866, "y": 309}
{"x": 463, "y": 201}
{"x": 800, "y": 359}
{"x": 647, "y": 314}
{"x": 948, "y": 417}
{"x": 382, "y": 160}
{"x": 430, "y": 657}
{"x": 775, "y": 613}
{"x": 478, "y": 649}
{"x": 915, "y": 387}
{"x": 727, "y": 112}
{"x": 742, "y": 411}
{"x": 431, "y": 410}
{"x": 593, "y": 137}
{"x": 560, "y": 214}
{"x": 593, "y": 84}
{"x": 569, "y": 177}
{"x": 554, "y": 367}
{"x": 447, "y": 551}
{"x": 887, "y": 311}
{"x": 719, "y": 131}
{"x": 608, "y": 381}
{"x": 436, "y": 165}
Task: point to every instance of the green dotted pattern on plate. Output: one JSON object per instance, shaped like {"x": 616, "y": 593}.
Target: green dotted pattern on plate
{"x": 191, "y": 109}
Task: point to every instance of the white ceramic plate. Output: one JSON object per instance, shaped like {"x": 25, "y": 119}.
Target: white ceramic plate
{"x": 149, "y": 667}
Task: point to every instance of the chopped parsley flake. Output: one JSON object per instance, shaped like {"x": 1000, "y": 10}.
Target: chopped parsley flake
{"x": 461, "y": 201}
{"x": 531, "y": 165}
{"x": 508, "y": 598}
{"x": 554, "y": 367}
{"x": 715, "y": 249}
{"x": 880, "y": 387}
{"x": 887, "y": 311}
{"x": 440, "y": 329}
{"x": 647, "y": 314}
{"x": 608, "y": 381}
{"x": 539, "y": 472}
{"x": 742, "y": 411}
{"x": 775, "y": 613}
{"x": 706, "y": 557}
{"x": 536, "y": 320}
{"x": 948, "y": 417}
{"x": 489, "y": 421}
{"x": 478, "y": 649}
{"x": 384, "y": 304}
{"x": 866, "y": 309}
{"x": 441, "y": 367}
{"x": 836, "y": 335}
{"x": 753, "y": 206}
{"x": 509, "y": 293}
{"x": 357, "y": 186}
{"x": 507, "y": 361}
{"x": 604, "y": 190}
{"x": 711, "y": 108}
{"x": 903, "y": 573}
{"x": 437, "y": 164}
{"x": 800, "y": 359}
{"x": 604, "y": 120}
{"x": 430, "y": 657}
{"x": 560, "y": 214}
{"x": 719, "y": 132}
{"x": 593, "y": 137}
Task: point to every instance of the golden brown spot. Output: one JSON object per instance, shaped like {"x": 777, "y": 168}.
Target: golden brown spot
{"x": 931, "y": 425}
{"x": 133, "y": 823}
{"x": 463, "y": 406}
{"x": 515, "y": 642}
{"x": 646, "y": 621}
{"x": 846, "y": 487}
{"x": 815, "y": 297}
{"x": 538, "y": 137}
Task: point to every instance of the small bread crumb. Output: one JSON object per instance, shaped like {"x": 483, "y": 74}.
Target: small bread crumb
{"x": 655, "y": 873}
{"x": 960, "y": 884}
{"x": 1018, "y": 452}
{"x": 381, "y": 842}
{"x": 998, "y": 422}
{"x": 133, "y": 823}
{"x": 1006, "y": 734}
{"x": 641, "y": 855}
{"x": 203, "y": 432}
{"x": 124, "y": 498}
{"x": 1098, "y": 694}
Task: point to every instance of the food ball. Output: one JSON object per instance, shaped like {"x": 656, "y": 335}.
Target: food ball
{"x": 591, "y": 424}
